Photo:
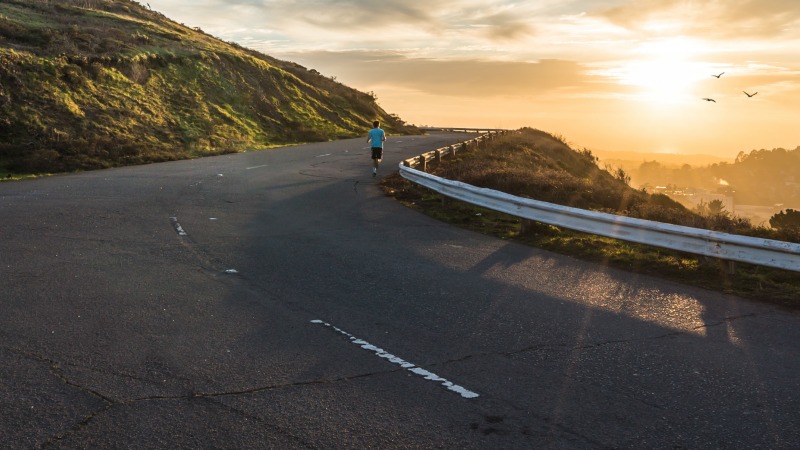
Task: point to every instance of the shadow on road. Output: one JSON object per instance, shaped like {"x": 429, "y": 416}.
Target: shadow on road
{"x": 563, "y": 353}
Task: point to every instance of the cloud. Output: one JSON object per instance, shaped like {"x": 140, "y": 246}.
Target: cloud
{"x": 544, "y": 63}
{"x": 708, "y": 18}
{"x": 331, "y": 15}
{"x": 504, "y": 26}
{"x": 360, "y": 14}
{"x": 466, "y": 78}
{"x": 379, "y": 23}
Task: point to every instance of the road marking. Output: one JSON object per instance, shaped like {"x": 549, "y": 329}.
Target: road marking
{"x": 178, "y": 227}
{"x": 256, "y": 167}
{"x": 402, "y": 363}
{"x": 326, "y": 154}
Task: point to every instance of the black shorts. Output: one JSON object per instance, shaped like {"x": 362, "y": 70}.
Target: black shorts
{"x": 377, "y": 153}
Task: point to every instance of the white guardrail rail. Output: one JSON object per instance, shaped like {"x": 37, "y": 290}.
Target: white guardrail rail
{"x": 724, "y": 246}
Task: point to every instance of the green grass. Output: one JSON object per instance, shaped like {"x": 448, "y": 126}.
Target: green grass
{"x": 494, "y": 167}
{"x": 87, "y": 84}
{"x": 7, "y": 175}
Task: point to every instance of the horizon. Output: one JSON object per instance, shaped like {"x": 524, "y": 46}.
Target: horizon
{"x": 611, "y": 75}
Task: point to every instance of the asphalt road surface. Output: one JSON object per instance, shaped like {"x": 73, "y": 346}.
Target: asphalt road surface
{"x": 278, "y": 299}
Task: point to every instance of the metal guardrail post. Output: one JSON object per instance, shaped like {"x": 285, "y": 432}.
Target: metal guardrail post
{"x": 729, "y": 266}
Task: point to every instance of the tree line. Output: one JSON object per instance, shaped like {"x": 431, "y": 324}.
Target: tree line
{"x": 760, "y": 177}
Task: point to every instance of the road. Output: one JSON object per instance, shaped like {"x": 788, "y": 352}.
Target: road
{"x": 277, "y": 299}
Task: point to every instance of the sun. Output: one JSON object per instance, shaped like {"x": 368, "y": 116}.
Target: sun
{"x": 660, "y": 79}
{"x": 664, "y": 70}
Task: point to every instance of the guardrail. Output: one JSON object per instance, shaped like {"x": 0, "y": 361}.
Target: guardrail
{"x": 724, "y": 246}
{"x": 452, "y": 150}
{"x": 461, "y": 129}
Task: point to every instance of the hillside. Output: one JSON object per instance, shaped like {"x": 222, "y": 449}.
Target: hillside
{"x": 88, "y": 84}
{"x": 537, "y": 165}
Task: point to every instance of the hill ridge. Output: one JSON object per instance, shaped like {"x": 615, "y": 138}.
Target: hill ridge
{"x": 88, "y": 84}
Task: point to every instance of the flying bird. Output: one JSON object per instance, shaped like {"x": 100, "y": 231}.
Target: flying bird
{"x": 709, "y": 99}
{"x": 717, "y": 76}
{"x": 749, "y": 95}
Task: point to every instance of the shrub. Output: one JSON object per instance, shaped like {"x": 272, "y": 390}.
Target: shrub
{"x": 111, "y": 45}
{"x": 789, "y": 220}
{"x": 73, "y": 75}
{"x": 138, "y": 73}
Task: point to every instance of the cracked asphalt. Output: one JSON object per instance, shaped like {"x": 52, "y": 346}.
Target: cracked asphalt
{"x": 117, "y": 331}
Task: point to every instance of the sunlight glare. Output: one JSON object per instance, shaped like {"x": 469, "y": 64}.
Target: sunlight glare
{"x": 663, "y": 70}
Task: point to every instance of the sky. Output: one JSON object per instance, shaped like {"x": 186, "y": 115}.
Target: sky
{"x": 606, "y": 75}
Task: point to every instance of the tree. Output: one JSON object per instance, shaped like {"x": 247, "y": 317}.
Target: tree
{"x": 713, "y": 208}
{"x": 716, "y": 208}
{"x": 651, "y": 172}
{"x": 788, "y": 221}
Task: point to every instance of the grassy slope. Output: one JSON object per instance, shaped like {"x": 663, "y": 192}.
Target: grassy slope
{"x": 96, "y": 83}
{"x": 534, "y": 164}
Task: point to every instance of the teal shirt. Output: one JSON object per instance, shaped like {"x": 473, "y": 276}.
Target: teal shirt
{"x": 376, "y": 137}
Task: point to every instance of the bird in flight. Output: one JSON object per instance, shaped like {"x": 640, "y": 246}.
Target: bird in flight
{"x": 709, "y": 99}
{"x": 749, "y": 95}
{"x": 717, "y": 76}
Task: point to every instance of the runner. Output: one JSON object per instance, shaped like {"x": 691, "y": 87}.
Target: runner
{"x": 375, "y": 138}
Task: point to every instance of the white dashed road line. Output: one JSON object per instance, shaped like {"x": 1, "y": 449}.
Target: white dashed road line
{"x": 255, "y": 167}
{"x": 178, "y": 227}
{"x": 402, "y": 363}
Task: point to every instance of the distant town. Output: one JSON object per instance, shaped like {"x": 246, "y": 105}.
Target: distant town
{"x": 754, "y": 186}
{"x": 695, "y": 198}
